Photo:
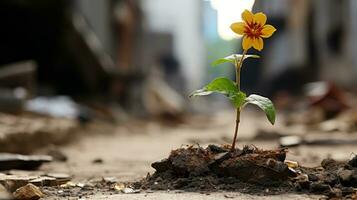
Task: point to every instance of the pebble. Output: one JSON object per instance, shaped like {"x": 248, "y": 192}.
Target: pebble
{"x": 28, "y": 192}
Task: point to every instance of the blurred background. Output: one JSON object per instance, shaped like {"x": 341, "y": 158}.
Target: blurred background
{"x": 118, "y": 60}
{"x": 139, "y": 55}
{"x": 120, "y": 73}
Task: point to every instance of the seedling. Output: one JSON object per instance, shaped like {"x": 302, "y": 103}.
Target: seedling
{"x": 253, "y": 29}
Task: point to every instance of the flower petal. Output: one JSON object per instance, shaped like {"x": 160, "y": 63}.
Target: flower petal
{"x": 260, "y": 18}
{"x": 258, "y": 43}
{"x": 247, "y": 43}
{"x": 248, "y": 16}
{"x": 238, "y": 27}
{"x": 267, "y": 31}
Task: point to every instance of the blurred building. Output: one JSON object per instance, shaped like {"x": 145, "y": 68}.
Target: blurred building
{"x": 315, "y": 41}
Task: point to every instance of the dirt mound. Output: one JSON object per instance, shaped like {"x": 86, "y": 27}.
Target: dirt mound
{"x": 334, "y": 179}
{"x": 216, "y": 168}
{"x": 250, "y": 170}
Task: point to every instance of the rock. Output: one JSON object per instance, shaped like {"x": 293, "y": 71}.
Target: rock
{"x": 281, "y": 167}
{"x": 13, "y": 182}
{"x": 344, "y": 175}
{"x": 44, "y": 181}
{"x": 329, "y": 164}
{"x": 162, "y": 165}
{"x": 292, "y": 164}
{"x": 302, "y": 182}
{"x": 60, "y": 178}
{"x": 129, "y": 190}
{"x": 28, "y": 192}
{"x": 331, "y": 179}
{"x": 353, "y": 161}
{"x": 319, "y": 187}
{"x": 290, "y": 141}
{"x": 313, "y": 177}
{"x": 110, "y": 179}
{"x": 98, "y": 161}
{"x": 217, "y": 149}
{"x": 16, "y": 161}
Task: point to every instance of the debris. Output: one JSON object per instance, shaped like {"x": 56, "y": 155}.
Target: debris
{"x": 162, "y": 165}
{"x": 28, "y": 192}
{"x": 16, "y": 161}
{"x": 217, "y": 149}
{"x": 60, "y": 178}
{"x": 290, "y": 141}
{"x": 110, "y": 179}
{"x": 329, "y": 164}
{"x": 98, "y": 161}
{"x": 353, "y": 161}
{"x": 326, "y": 96}
{"x": 320, "y": 187}
{"x": 345, "y": 175}
{"x": 25, "y": 133}
{"x": 130, "y": 191}
{"x": 69, "y": 184}
{"x": 302, "y": 182}
{"x": 15, "y": 180}
{"x": 291, "y": 164}
{"x": 60, "y": 106}
{"x": 126, "y": 190}
{"x": 228, "y": 196}
{"x": 334, "y": 125}
{"x": 119, "y": 186}
{"x": 248, "y": 165}
{"x": 41, "y": 181}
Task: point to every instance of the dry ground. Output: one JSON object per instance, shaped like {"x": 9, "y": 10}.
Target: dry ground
{"x": 128, "y": 150}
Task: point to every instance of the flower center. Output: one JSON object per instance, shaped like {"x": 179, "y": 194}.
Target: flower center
{"x": 253, "y": 30}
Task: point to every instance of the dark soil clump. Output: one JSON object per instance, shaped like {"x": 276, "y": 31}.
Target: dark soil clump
{"x": 334, "y": 179}
{"x": 250, "y": 170}
{"x": 217, "y": 168}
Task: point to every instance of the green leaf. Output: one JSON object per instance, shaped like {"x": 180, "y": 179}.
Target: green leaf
{"x": 263, "y": 103}
{"x": 232, "y": 58}
{"x": 223, "y": 86}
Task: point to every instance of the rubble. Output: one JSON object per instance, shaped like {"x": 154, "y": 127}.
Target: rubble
{"x": 28, "y": 192}
{"x": 16, "y": 179}
{"x": 16, "y": 161}
{"x": 215, "y": 167}
{"x": 24, "y": 133}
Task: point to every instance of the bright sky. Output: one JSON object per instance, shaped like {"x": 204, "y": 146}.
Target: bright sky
{"x": 229, "y": 11}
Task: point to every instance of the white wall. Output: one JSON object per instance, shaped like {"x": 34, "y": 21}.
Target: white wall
{"x": 182, "y": 18}
{"x": 98, "y": 16}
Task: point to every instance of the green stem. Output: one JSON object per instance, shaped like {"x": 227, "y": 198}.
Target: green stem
{"x": 238, "y": 66}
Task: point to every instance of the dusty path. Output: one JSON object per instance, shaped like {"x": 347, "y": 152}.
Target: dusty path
{"x": 128, "y": 150}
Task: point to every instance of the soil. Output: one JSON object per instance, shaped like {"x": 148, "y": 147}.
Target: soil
{"x": 127, "y": 150}
{"x": 250, "y": 170}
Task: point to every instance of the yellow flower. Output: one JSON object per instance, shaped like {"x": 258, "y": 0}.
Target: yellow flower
{"x": 253, "y": 30}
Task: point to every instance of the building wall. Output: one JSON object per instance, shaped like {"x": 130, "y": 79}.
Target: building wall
{"x": 97, "y": 13}
{"x": 182, "y": 19}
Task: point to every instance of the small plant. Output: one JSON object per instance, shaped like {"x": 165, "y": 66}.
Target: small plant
{"x": 253, "y": 29}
